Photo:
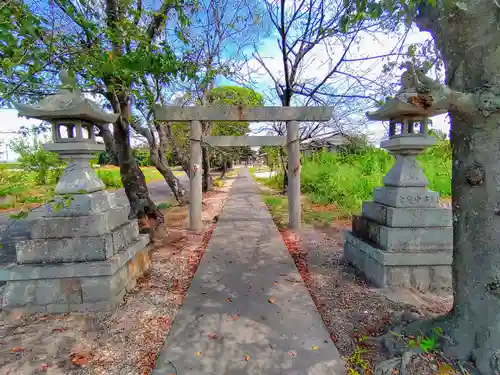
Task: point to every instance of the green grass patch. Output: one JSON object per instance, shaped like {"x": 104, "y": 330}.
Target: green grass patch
{"x": 336, "y": 184}
{"x": 317, "y": 215}
{"x": 164, "y": 205}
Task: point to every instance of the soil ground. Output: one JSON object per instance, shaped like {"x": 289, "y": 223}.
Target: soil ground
{"x": 350, "y": 307}
{"x": 127, "y": 340}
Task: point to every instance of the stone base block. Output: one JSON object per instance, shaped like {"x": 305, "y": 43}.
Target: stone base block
{"x": 66, "y": 287}
{"x": 403, "y": 239}
{"x": 405, "y": 217}
{"x": 77, "y": 249}
{"x": 79, "y": 226}
{"x": 406, "y": 196}
{"x": 79, "y": 205}
{"x": 423, "y": 271}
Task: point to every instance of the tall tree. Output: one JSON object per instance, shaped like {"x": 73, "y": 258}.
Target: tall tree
{"x": 467, "y": 36}
{"x": 222, "y": 95}
{"x": 305, "y": 29}
{"x": 219, "y": 33}
{"x": 111, "y": 46}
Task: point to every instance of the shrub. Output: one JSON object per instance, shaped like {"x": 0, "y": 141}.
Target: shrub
{"x": 142, "y": 157}
{"x": 349, "y": 177}
{"x": 34, "y": 158}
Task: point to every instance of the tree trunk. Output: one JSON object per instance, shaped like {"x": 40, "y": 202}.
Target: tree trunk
{"x": 134, "y": 183}
{"x": 178, "y": 154}
{"x": 469, "y": 41}
{"x": 207, "y": 184}
{"x": 225, "y": 163}
{"x": 173, "y": 182}
{"x": 161, "y": 164}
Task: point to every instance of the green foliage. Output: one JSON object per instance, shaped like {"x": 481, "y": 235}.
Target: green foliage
{"x": 347, "y": 179}
{"x": 272, "y": 156}
{"x": 116, "y": 53}
{"x": 237, "y": 96}
{"x": 111, "y": 179}
{"x": 12, "y": 182}
{"x": 164, "y": 205}
{"x": 142, "y": 157}
{"x": 34, "y": 158}
{"x": 104, "y": 158}
{"x": 356, "y": 362}
{"x": 427, "y": 344}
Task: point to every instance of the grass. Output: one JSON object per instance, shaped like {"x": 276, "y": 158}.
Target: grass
{"x": 254, "y": 170}
{"x": 335, "y": 185}
{"x": 10, "y": 165}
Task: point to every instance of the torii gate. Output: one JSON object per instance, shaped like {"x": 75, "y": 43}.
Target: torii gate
{"x": 291, "y": 115}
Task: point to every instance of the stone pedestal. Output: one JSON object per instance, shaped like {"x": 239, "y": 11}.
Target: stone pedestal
{"x": 81, "y": 252}
{"x": 83, "y": 257}
{"x": 403, "y": 238}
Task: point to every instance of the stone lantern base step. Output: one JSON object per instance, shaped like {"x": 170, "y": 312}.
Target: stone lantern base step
{"x": 404, "y": 217}
{"x": 410, "y": 197}
{"x": 421, "y": 270}
{"x": 408, "y": 240}
{"x": 83, "y": 286}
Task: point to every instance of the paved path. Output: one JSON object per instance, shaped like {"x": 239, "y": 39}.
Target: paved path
{"x": 247, "y": 262}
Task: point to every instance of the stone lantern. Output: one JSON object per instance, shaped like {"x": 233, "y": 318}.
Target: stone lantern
{"x": 73, "y": 118}
{"x": 82, "y": 253}
{"x": 403, "y": 238}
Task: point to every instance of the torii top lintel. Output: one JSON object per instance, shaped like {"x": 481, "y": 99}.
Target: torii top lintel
{"x": 239, "y": 113}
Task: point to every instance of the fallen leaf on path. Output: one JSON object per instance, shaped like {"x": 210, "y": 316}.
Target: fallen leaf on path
{"x": 314, "y": 347}
{"x": 236, "y": 316}
{"x": 79, "y": 359}
{"x": 44, "y": 367}
{"x": 247, "y": 357}
{"x": 59, "y": 329}
{"x": 271, "y": 300}
{"x": 198, "y": 354}
{"x": 18, "y": 349}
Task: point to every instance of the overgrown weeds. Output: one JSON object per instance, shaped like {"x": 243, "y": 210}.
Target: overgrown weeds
{"x": 347, "y": 179}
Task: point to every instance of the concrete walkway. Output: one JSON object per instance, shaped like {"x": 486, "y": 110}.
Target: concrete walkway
{"x": 226, "y": 314}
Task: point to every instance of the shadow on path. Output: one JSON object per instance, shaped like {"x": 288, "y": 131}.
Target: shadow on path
{"x": 247, "y": 299}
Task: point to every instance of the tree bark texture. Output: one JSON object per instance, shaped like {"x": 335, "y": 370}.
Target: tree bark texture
{"x": 134, "y": 182}
{"x": 207, "y": 177}
{"x": 469, "y": 41}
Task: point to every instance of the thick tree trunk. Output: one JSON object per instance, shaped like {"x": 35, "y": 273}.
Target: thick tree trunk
{"x": 469, "y": 41}
{"x": 134, "y": 183}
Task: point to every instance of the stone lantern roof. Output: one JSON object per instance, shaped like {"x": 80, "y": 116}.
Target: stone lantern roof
{"x": 414, "y": 99}
{"x": 67, "y": 103}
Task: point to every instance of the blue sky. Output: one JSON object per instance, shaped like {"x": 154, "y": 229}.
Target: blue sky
{"x": 268, "y": 49}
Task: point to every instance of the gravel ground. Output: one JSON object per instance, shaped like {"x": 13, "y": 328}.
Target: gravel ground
{"x": 350, "y": 307}
{"x": 127, "y": 340}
